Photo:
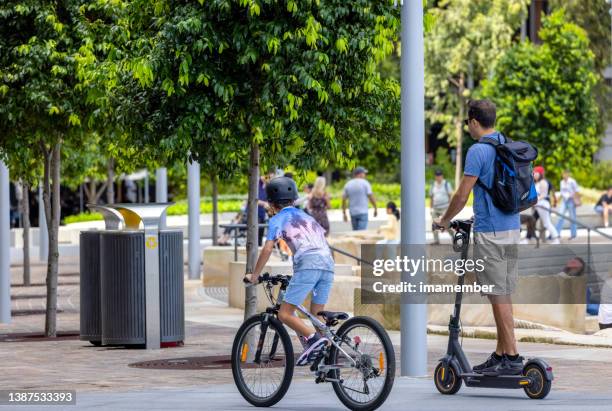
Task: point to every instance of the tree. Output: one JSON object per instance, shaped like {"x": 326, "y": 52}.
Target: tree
{"x": 41, "y": 103}
{"x": 594, "y": 17}
{"x": 464, "y": 43}
{"x": 544, "y": 95}
{"x": 227, "y": 80}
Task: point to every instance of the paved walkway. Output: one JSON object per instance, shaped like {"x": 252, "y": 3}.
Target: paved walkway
{"x": 104, "y": 380}
{"x": 412, "y": 394}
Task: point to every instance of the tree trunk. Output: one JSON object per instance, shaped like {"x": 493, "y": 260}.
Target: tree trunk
{"x": 25, "y": 212}
{"x": 215, "y": 211}
{"x": 110, "y": 182}
{"x": 252, "y": 245}
{"x": 51, "y": 197}
{"x": 459, "y": 131}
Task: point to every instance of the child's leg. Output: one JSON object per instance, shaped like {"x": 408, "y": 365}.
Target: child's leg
{"x": 287, "y": 315}
{"x": 316, "y": 308}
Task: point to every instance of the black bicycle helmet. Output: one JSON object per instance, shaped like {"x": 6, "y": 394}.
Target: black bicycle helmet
{"x": 281, "y": 189}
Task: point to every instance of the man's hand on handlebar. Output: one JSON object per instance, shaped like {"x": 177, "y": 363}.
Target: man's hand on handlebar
{"x": 440, "y": 224}
{"x": 250, "y": 278}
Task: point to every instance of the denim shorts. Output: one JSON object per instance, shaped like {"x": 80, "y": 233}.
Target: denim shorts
{"x": 305, "y": 281}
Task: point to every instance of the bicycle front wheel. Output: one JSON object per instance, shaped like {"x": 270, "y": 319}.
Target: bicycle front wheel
{"x": 262, "y": 360}
{"x": 367, "y": 365}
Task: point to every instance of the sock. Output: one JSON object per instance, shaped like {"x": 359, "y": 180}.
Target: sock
{"x": 310, "y": 336}
{"x": 497, "y": 356}
{"x": 512, "y": 357}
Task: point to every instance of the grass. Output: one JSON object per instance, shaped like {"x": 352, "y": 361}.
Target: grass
{"x": 232, "y": 203}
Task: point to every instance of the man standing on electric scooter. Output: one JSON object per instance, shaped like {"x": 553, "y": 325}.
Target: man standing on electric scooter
{"x": 494, "y": 230}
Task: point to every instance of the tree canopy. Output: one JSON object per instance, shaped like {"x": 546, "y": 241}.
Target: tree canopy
{"x": 544, "y": 95}
{"x": 299, "y": 78}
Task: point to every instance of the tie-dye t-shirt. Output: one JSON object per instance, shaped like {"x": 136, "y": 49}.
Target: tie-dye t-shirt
{"x": 304, "y": 236}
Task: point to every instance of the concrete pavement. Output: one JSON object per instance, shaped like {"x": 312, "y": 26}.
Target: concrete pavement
{"x": 409, "y": 394}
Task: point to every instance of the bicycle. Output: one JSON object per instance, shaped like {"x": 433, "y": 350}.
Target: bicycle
{"x": 358, "y": 360}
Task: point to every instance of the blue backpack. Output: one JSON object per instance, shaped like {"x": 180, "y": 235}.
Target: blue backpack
{"x": 513, "y": 188}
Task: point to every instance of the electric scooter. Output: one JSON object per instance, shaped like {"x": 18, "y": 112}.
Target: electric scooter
{"x": 454, "y": 368}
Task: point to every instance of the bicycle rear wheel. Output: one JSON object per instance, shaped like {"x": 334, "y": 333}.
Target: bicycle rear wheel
{"x": 262, "y": 360}
{"x": 366, "y": 385}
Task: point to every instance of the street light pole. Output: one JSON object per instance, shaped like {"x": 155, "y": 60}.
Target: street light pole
{"x": 5, "y": 246}
{"x": 413, "y": 315}
{"x": 193, "y": 194}
{"x": 161, "y": 191}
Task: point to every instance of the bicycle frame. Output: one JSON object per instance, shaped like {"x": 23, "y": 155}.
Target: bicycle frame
{"x": 326, "y": 330}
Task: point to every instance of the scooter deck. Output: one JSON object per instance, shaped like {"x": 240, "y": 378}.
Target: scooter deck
{"x": 498, "y": 381}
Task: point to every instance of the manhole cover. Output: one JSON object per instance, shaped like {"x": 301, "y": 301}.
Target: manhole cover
{"x": 214, "y": 362}
{"x": 23, "y": 337}
{"x": 28, "y": 296}
{"x": 44, "y": 285}
{"x": 21, "y": 313}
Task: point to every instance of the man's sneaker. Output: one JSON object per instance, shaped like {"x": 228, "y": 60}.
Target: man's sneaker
{"x": 312, "y": 348}
{"x": 489, "y": 365}
{"x": 506, "y": 366}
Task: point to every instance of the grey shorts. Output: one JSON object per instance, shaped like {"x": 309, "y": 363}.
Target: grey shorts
{"x": 499, "y": 253}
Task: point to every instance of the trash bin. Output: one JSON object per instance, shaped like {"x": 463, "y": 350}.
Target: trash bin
{"x": 120, "y": 267}
{"x": 122, "y": 286}
{"x": 90, "y": 324}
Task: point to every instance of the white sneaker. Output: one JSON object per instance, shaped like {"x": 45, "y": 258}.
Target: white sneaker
{"x": 554, "y": 241}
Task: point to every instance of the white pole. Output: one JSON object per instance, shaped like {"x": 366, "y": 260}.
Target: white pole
{"x": 193, "y": 194}
{"x": 413, "y": 316}
{"x": 146, "y": 187}
{"x": 161, "y": 191}
{"x": 5, "y": 246}
{"x": 43, "y": 235}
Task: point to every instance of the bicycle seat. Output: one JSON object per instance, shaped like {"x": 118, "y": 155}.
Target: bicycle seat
{"x": 333, "y": 315}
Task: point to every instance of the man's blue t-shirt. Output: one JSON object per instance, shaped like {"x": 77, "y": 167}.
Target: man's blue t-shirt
{"x": 304, "y": 236}
{"x": 479, "y": 162}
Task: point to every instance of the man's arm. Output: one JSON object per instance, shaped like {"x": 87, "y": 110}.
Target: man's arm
{"x": 458, "y": 200}
{"x": 262, "y": 260}
{"x": 344, "y": 206}
{"x": 373, "y": 201}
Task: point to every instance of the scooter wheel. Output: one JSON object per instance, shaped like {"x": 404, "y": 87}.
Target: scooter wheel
{"x": 447, "y": 384}
{"x": 540, "y": 386}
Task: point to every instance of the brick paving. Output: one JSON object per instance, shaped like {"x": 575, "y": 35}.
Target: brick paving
{"x": 210, "y": 328}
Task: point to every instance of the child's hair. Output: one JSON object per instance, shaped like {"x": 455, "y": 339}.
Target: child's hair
{"x": 282, "y": 204}
{"x": 391, "y": 205}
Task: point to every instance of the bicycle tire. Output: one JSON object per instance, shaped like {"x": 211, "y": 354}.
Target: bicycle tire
{"x": 285, "y": 340}
{"x": 390, "y": 369}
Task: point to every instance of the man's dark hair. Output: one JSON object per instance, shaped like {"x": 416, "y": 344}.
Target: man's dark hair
{"x": 483, "y": 111}
{"x": 289, "y": 174}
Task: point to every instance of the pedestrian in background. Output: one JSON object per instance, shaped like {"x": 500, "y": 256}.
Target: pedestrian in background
{"x": 604, "y": 206}
{"x": 440, "y": 194}
{"x": 358, "y": 191}
{"x": 544, "y": 188}
{"x": 570, "y": 199}
{"x": 391, "y": 230}
{"x": 318, "y": 204}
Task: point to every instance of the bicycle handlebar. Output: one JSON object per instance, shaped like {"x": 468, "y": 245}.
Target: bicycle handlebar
{"x": 269, "y": 278}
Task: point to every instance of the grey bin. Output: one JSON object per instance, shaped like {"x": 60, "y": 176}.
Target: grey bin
{"x": 122, "y": 287}
{"x": 90, "y": 321}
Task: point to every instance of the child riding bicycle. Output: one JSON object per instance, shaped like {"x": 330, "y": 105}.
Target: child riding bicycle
{"x": 313, "y": 266}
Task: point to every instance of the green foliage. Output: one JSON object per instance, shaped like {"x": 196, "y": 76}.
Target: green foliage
{"x": 544, "y": 96}
{"x": 299, "y": 78}
{"x": 599, "y": 176}
{"x": 466, "y": 40}
{"x": 593, "y": 16}
{"x": 443, "y": 162}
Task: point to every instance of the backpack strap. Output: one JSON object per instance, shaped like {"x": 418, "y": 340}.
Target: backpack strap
{"x": 492, "y": 142}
